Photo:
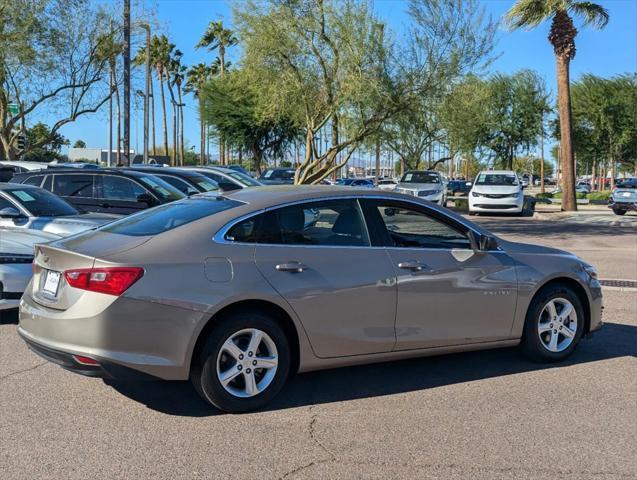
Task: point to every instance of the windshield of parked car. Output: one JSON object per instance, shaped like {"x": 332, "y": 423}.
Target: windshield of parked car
{"x": 420, "y": 177}
{"x": 507, "y": 179}
{"x": 244, "y": 179}
{"x": 168, "y": 216}
{"x": 41, "y": 203}
{"x": 279, "y": 174}
{"x": 206, "y": 184}
{"x": 162, "y": 189}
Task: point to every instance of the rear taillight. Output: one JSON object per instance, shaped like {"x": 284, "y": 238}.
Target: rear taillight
{"x": 109, "y": 280}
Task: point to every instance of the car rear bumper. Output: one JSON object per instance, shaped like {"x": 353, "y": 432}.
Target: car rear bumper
{"x": 145, "y": 337}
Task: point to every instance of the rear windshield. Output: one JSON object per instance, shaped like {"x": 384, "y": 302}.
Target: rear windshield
{"x": 168, "y": 216}
{"x": 244, "y": 179}
{"x": 282, "y": 174}
{"x": 205, "y": 183}
{"x": 41, "y": 203}
{"x": 161, "y": 188}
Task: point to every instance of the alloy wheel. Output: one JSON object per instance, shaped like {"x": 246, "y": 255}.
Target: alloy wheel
{"x": 557, "y": 325}
{"x": 247, "y": 362}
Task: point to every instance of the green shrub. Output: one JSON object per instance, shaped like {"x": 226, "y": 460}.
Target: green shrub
{"x": 544, "y": 195}
{"x": 598, "y": 196}
{"x": 557, "y": 195}
{"x": 461, "y": 204}
{"x": 578, "y": 195}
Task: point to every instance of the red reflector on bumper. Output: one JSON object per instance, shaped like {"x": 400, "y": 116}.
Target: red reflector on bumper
{"x": 85, "y": 360}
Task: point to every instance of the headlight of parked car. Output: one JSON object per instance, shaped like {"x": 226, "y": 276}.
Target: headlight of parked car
{"x": 476, "y": 194}
{"x": 592, "y": 271}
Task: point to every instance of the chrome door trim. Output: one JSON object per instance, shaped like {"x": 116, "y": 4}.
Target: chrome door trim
{"x": 219, "y": 237}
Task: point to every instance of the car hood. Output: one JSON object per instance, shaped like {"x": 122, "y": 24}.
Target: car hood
{"x": 420, "y": 186}
{"x": 495, "y": 189}
{"x": 513, "y": 248}
{"x": 72, "y": 224}
{"x": 21, "y": 240}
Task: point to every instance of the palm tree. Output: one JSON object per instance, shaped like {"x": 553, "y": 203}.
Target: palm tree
{"x": 160, "y": 50}
{"x": 109, "y": 48}
{"x": 179, "y": 76}
{"x": 218, "y": 37}
{"x": 197, "y": 77}
{"x": 529, "y": 14}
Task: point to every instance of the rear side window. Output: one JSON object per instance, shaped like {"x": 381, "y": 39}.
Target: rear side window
{"x": 73, "y": 185}
{"x": 35, "y": 180}
{"x": 168, "y": 216}
{"x": 179, "y": 184}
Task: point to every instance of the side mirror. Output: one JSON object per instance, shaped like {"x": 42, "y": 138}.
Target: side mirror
{"x": 146, "y": 198}
{"x": 488, "y": 243}
{"x": 10, "y": 212}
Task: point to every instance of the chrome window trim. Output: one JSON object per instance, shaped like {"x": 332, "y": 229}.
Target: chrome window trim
{"x": 219, "y": 237}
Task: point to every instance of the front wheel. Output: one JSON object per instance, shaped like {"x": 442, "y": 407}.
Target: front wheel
{"x": 554, "y": 324}
{"x": 243, "y": 363}
{"x": 618, "y": 211}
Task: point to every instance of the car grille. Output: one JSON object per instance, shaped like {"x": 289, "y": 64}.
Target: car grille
{"x": 499, "y": 195}
{"x": 495, "y": 207}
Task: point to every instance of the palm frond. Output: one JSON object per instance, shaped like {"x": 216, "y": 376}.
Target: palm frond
{"x": 527, "y": 14}
{"x": 594, "y": 14}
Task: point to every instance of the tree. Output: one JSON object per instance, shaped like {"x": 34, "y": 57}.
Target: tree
{"x": 605, "y": 122}
{"x": 196, "y": 78}
{"x": 447, "y": 40}
{"x": 49, "y": 63}
{"x": 326, "y": 65}
{"x": 109, "y": 49}
{"x": 231, "y": 106}
{"x": 218, "y": 37}
{"x": 79, "y": 144}
{"x": 179, "y": 76}
{"x": 529, "y": 14}
{"x": 48, "y": 144}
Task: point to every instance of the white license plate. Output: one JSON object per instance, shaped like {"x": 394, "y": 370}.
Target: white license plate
{"x": 625, "y": 194}
{"x": 51, "y": 282}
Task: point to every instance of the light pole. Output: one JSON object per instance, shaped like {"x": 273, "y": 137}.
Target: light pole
{"x": 146, "y": 27}
{"x": 127, "y": 81}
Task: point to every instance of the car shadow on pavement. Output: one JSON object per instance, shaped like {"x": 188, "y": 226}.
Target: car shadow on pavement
{"x": 549, "y": 228}
{"x": 352, "y": 383}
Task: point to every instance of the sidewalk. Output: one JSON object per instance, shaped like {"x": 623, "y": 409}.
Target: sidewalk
{"x": 584, "y": 213}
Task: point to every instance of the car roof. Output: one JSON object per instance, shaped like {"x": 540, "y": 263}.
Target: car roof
{"x": 85, "y": 171}
{"x": 17, "y": 186}
{"x": 498, "y": 171}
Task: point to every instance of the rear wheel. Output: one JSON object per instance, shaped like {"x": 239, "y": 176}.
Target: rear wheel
{"x": 619, "y": 211}
{"x": 554, "y": 324}
{"x": 243, "y": 363}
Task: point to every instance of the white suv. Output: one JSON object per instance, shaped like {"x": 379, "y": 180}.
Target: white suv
{"x": 496, "y": 191}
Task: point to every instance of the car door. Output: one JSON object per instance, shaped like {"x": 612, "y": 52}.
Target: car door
{"x": 120, "y": 195}
{"x": 76, "y": 188}
{"x": 448, "y": 293}
{"x": 317, "y": 256}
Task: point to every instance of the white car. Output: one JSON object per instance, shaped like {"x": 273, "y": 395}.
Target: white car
{"x": 425, "y": 184}
{"x": 16, "y": 256}
{"x": 496, "y": 191}
{"x": 387, "y": 184}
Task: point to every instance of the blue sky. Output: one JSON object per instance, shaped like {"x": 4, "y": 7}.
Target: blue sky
{"x": 608, "y": 52}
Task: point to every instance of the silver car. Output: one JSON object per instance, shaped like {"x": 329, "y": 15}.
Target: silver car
{"x": 428, "y": 185}
{"x": 16, "y": 257}
{"x": 238, "y": 291}
{"x": 26, "y": 206}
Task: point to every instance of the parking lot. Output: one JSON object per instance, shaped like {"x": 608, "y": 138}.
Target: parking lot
{"x": 485, "y": 415}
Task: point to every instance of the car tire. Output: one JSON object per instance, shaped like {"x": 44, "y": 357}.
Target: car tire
{"x": 537, "y": 338}
{"x": 618, "y": 211}
{"x": 214, "y": 359}
{"x": 472, "y": 213}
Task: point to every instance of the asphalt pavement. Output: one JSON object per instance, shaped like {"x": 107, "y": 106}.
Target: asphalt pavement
{"x": 481, "y": 415}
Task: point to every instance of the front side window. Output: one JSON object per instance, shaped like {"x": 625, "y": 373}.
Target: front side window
{"x": 73, "y": 185}
{"x": 121, "y": 188}
{"x": 328, "y": 223}
{"x": 409, "y": 228}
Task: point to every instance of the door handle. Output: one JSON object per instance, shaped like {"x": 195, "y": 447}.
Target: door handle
{"x": 293, "y": 267}
{"x": 412, "y": 265}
